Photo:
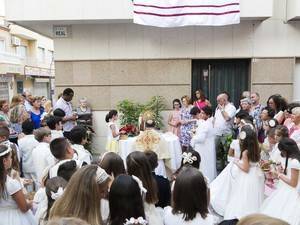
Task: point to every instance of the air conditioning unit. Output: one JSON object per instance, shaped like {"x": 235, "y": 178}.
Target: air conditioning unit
{"x": 15, "y": 41}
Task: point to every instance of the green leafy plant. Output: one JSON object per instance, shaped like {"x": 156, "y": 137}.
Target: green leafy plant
{"x": 156, "y": 105}
{"x": 130, "y": 111}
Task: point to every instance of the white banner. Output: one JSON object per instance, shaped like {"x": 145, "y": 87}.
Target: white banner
{"x": 177, "y": 13}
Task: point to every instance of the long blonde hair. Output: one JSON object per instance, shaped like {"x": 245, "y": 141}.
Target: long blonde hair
{"x": 260, "y": 219}
{"x": 16, "y": 100}
{"x": 81, "y": 197}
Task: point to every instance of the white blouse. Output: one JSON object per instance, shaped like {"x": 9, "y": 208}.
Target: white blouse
{"x": 177, "y": 219}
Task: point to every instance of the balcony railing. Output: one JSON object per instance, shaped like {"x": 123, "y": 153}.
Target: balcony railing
{"x": 10, "y": 58}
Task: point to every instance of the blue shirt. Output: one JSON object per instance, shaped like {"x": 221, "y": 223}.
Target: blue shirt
{"x": 36, "y": 119}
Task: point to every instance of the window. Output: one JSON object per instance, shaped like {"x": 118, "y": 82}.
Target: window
{"x": 2, "y": 46}
{"x": 22, "y": 51}
{"x": 19, "y": 87}
{"x": 41, "y": 54}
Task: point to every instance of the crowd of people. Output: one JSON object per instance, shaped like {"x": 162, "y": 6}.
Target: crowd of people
{"x": 238, "y": 165}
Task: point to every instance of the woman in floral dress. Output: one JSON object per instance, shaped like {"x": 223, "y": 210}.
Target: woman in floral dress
{"x": 187, "y": 123}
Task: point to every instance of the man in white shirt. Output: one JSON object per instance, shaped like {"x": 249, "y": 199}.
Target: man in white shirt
{"x": 26, "y": 146}
{"x": 64, "y": 103}
{"x": 27, "y": 101}
{"x": 41, "y": 154}
{"x": 223, "y": 123}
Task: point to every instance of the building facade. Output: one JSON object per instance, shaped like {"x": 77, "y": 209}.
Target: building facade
{"x": 26, "y": 61}
{"x": 103, "y": 56}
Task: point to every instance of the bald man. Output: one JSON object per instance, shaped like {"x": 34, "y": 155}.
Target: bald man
{"x": 223, "y": 123}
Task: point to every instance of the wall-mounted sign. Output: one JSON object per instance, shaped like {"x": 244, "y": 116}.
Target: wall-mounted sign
{"x": 37, "y": 71}
{"x": 61, "y": 31}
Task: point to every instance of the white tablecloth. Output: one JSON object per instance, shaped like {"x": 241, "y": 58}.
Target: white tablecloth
{"x": 125, "y": 148}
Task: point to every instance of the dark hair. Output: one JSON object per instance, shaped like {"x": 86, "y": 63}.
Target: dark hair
{"x": 176, "y": 100}
{"x": 207, "y": 110}
{"x": 110, "y": 115}
{"x": 52, "y": 185}
{"x": 242, "y": 114}
{"x": 138, "y": 165}
{"x": 52, "y": 121}
{"x": 152, "y": 159}
{"x": 113, "y": 164}
{"x": 292, "y": 105}
{"x": 195, "y": 163}
{"x": 3, "y": 172}
{"x": 59, "y": 147}
{"x": 250, "y": 143}
{"x": 27, "y": 127}
{"x": 194, "y": 111}
{"x": 2, "y": 102}
{"x": 68, "y": 91}
{"x": 271, "y": 112}
{"x": 190, "y": 195}
{"x": 202, "y": 95}
{"x": 67, "y": 169}
{"x": 279, "y": 101}
{"x": 283, "y": 130}
{"x": 4, "y": 132}
{"x": 77, "y": 134}
{"x": 59, "y": 112}
{"x": 290, "y": 147}
{"x": 125, "y": 200}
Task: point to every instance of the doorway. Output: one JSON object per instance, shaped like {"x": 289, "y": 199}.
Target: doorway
{"x": 216, "y": 75}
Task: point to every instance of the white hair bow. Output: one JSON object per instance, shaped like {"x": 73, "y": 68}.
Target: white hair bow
{"x": 140, "y": 183}
{"x": 56, "y": 195}
{"x": 139, "y": 220}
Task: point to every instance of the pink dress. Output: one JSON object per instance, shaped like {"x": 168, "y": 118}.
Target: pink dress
{"x": 175, "y": 117}
{"x": 200, "y": 104}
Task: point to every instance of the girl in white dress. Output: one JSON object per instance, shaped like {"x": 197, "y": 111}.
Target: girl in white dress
{"x": 113, "y": 133}
{"x": 239, "y": 190}
{"x": 284, "y": 203}
{"x": 14, "y": 208}
{"x": 125, "y": 200}
{"x": 190, "y": 200}
{"x": 139, "y": 166}
{"x": 204, "y": 143}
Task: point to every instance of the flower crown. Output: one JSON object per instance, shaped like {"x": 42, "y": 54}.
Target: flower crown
{"x": 139, "y": 220}
{"x": 188, "y": 158}
{"x": 9, "y": 149}
{"x": 101, "y": 175}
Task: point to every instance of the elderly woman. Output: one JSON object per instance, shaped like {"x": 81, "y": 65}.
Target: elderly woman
{"x": 84, "y": 112}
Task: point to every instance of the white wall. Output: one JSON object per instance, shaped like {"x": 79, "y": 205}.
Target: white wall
{"x": 270, "y": 38}
{"x": 293, "y": 9}
{"x": 95, "y": 10}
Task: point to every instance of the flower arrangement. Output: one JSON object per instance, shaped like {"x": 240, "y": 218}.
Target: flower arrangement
{"x": 129, "y": 129}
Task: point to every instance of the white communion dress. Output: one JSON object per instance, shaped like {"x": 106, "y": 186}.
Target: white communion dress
{"x": 235, "y": 193}
{"x": 10, "y": 214}
{"x": 284, "y": 203}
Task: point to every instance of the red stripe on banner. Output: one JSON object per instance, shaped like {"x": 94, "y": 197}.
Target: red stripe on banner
{"x": 186, "y": 6}
{"x": 186, "y": 14}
